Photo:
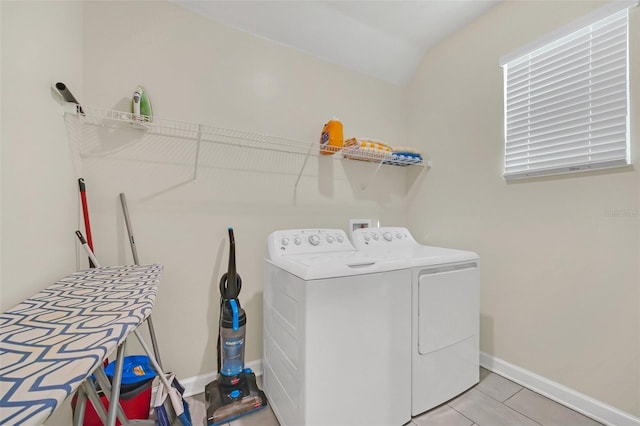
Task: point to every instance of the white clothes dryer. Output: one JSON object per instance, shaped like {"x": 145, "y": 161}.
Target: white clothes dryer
{"x": 445, "y": 313}
{"x": 337, "y": 332}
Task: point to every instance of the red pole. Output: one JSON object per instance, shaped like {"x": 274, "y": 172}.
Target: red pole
{"x": 85, "y": 213}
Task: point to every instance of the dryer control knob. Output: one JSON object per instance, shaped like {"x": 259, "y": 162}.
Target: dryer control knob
{"x": 340, "y": 238}
{"x": 285, "y": 241}
{"x": 376, "y": 237}
{"x": 297, "y": 241}
{"x": 367, "y": 237}
{"x": 314, "y": 240}
{"x": 399, "y": 236}
{"x": 387, "y": 236}
{"x": 330, "y": 239}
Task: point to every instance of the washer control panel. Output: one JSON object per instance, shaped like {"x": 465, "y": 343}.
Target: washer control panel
{"x": 382, "y": 237}
{"x": 298, "y": 241}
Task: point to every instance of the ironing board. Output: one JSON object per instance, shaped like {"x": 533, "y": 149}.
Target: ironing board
{"x": 53, "y": 341}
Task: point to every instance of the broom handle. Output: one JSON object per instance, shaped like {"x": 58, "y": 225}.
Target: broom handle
{"x": 85, "y": 213}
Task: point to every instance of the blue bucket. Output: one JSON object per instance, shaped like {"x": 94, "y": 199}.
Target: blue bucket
{"x": 136, "y": 368}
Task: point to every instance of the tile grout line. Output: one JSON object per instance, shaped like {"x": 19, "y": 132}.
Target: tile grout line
{"x": 501, "y": 403}
{"x": 520, "y": 390}
{"x": 473, "y": 422}
{"x": 518, "y": 411}
{"x": 495, "y": 399}
{"x": 555, "y": 402}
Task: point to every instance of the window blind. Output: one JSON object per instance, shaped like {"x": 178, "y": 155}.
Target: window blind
{"x": 566, "y": 103}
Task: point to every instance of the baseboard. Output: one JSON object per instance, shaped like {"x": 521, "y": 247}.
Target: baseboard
{"x": 195, "y": 385}
{"x": 581, "y": 403}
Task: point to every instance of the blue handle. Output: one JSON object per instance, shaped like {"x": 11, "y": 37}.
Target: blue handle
{"x": 234, "y": 312}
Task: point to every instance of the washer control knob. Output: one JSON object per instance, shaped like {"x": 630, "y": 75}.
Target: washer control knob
{"x": 314, "y": 240}
{"x": 399, "y": 236}
{"x": 330, "y": 239}
{"x": 340, "y": 238}
{"x": 376, "y": 237}
{"x": 285, "y": 241}
{"x": 297, "y": 241}
{"x": 367, "y": 237}
{"x": 387, "y": 236}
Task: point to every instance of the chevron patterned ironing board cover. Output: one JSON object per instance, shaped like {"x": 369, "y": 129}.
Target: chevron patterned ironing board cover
{"x": 54, "y": 340}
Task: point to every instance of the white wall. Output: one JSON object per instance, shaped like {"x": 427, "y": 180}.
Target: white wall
{"x": 560, "y": 284}
{"x": 198, "y": 71}
{"x": 41, "y": 43}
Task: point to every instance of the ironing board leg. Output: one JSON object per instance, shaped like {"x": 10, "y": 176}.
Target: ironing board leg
{"x": 115, "y": 387}
{"x": 103, "y": 381}
{"x": 81, "y": 404}
{"x": 152, "y": 360}
{"x": 95, "y": 400}
{"x": 154, "y": 342}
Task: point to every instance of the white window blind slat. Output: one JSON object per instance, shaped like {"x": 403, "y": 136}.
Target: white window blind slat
{"x": 565, "y": 107}
{"x": 598, "y": 94}
{"x": 515, "y": 154}
{"x": 556, "y": 107}
{"x": 555, "y": 152}
{"x": 561, "y": 86}
{"x": 587, "y": 131}
{"x": 566, "y": 103}
{"x": 586, "y": 48}
{"x": 592, "y": 114}
{"x": 612, "y": 58}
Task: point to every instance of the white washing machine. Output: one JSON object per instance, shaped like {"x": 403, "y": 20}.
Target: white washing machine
{"x": 445, "y": 313}
{"x": 337, "y": 332}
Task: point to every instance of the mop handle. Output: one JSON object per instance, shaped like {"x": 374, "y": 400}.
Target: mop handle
{"x": 92, "y": 258}
{"x": 134, "y": 251}
{"x": 127, "y": 222}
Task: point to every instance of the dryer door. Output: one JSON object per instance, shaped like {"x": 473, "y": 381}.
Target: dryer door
{"x": 448, "y": 308}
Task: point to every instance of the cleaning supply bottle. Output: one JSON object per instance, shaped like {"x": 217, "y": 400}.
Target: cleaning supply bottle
{"x": 331, "y": 139}
{"x": 141, "y": 106}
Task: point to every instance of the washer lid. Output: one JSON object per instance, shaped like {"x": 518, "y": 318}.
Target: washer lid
{"x": 335, "y": 264}
{"x": 398, "y": 243}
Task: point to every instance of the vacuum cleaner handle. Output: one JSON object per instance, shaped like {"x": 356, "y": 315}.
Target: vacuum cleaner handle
{"x": 230, "y": 283}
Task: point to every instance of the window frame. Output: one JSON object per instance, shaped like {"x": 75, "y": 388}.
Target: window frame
{"x": 525, "y": 163}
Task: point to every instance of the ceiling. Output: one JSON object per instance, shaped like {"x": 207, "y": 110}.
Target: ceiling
{"x": 384, "y": 39}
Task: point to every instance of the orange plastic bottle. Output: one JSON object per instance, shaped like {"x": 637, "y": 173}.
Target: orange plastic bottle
{"x": 331, "y": 139}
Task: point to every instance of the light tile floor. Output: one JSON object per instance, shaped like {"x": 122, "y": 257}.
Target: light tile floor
{"x": 495, "y": 401}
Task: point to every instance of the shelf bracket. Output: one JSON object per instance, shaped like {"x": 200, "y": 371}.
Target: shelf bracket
{"x": 304, "y": 164}
{"x": 365, "y": 185}
{"x": 195, "y": 165}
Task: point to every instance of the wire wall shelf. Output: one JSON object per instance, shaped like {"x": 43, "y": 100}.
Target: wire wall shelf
{"x": 297, "y": 152}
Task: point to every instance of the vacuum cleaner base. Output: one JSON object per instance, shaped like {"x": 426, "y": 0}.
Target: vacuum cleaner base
{"x": 222, "y": 408}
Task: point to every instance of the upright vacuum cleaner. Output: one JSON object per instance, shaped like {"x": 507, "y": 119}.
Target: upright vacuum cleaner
{"x": 234, "y": 393}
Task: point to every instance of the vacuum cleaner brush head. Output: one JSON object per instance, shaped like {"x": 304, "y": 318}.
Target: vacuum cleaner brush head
{"x": 227, "y": 404}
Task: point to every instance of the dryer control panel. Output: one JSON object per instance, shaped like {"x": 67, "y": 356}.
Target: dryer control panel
{"x": 301, "y": 241}
{"x": 382, "y": 237}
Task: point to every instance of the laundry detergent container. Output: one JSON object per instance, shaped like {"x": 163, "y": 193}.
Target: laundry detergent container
{"x": 135, "y": 391}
